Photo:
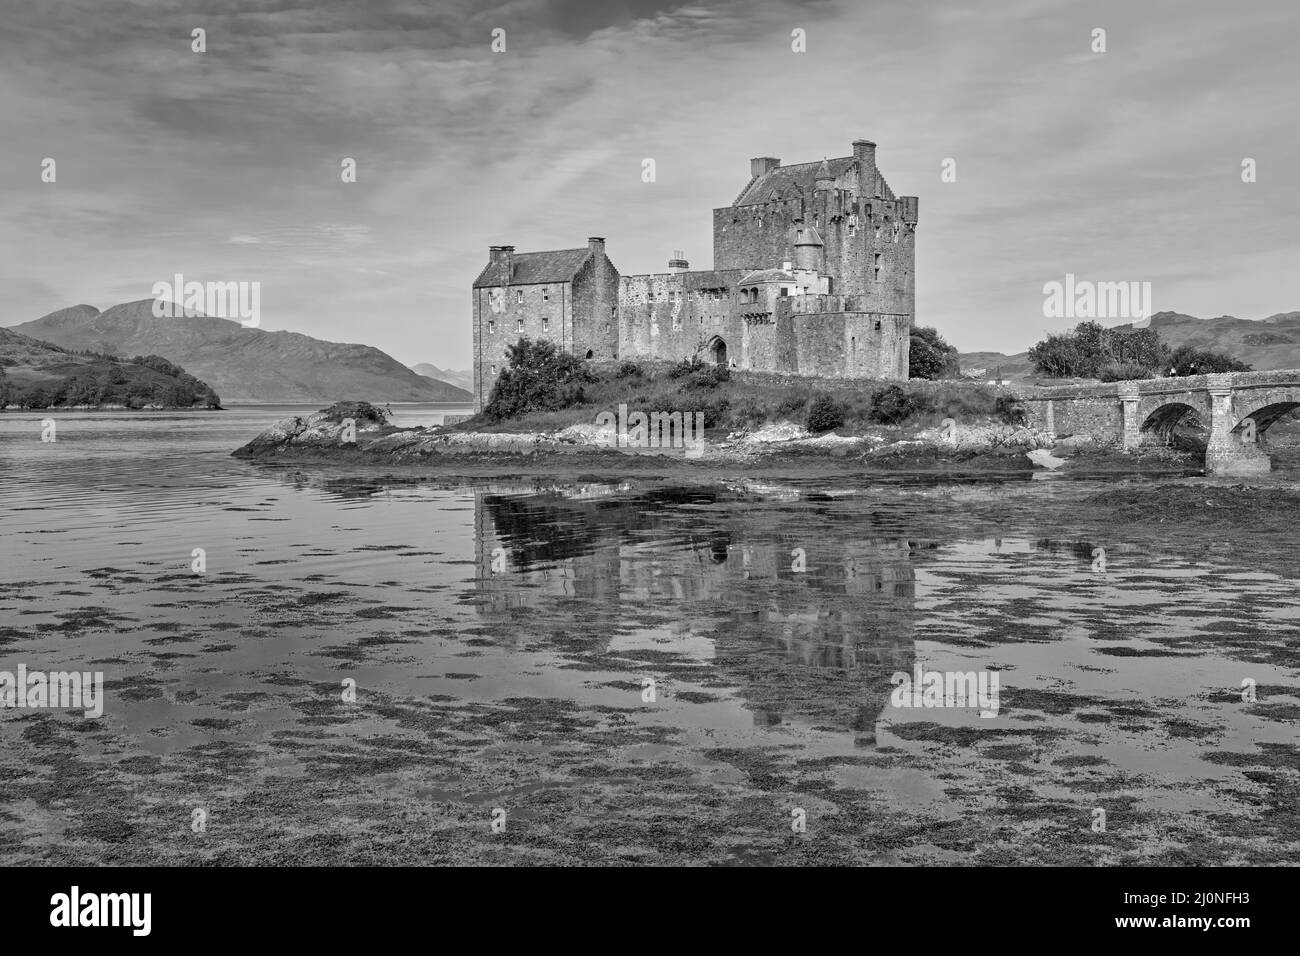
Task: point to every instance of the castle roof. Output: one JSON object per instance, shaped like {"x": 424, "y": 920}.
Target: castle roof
{"x": 767, "y": 275}
{"x": 531, "y": 268}
{"x": 799, "y": 179}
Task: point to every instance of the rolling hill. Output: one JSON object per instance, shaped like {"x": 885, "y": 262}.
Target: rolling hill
{"x": 1266, "y": 344}
{"x": 37, "y": 374}
{"x": 243, "y": 365}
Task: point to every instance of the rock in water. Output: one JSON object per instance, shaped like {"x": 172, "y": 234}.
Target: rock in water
{"x": 1044, "y": 459}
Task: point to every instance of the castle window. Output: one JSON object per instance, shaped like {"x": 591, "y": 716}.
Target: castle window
{"x": 853, "y": 225}
{"x": 546, "y": 324}
{"x": 519, "y": 296}
{"x": 589, "y": 353}
{"x": 519, "y": 325}
{"x": 494, "y": 369}
{"x": 613, "y": 314}
{"x": 492, "y": 326}
{"x": 546, "y": 294}
{"x": 877, "y": 325}
{"x": 784, "y": 292}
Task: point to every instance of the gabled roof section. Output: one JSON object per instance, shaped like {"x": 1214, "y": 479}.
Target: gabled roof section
{"x": 800, "y": 179}
{"x": 533, "y": 268}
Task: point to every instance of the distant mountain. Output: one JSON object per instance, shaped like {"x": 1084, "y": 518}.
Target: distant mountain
{"x": 243, "y": 364}
{"x": 463, "y": 380}
{"x": 985, "y": 365}
{"x": 1265, "y": 344}
{"x": 36, "y": 374}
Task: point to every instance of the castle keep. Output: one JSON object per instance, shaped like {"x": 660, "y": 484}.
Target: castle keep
{"x": 813, "y": 274}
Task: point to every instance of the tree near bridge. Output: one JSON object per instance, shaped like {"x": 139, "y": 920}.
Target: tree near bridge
{"x": 1186, "y": 360}
{"x": 1091, "y": 350}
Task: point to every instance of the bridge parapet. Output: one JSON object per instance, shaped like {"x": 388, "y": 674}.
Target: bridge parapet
{"x": 1155, "y": 386}
{"x": 1122, "y": 412}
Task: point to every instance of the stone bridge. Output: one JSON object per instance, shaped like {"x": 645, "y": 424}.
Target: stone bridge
{"x": 1237, "y": 407}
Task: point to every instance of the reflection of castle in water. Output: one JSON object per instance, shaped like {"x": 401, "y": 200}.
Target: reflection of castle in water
{"x": 806, "y": 627}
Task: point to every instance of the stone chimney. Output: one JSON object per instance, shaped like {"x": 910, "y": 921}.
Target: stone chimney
{"x": 678, "y": 262}
{"x": 864, "y": 153}
{"x": 596, "y": 243}
{"x": 763, "y": 165}
{"x": 506, "y": 258}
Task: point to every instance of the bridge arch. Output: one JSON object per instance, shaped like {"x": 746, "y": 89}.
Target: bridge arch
{"x": 1266, "y": 415}
{"x": 1148, "y": 409}
{"x": 1161, "y": 420}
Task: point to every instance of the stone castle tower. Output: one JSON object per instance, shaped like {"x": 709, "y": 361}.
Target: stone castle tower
{"x": 813, "y": 274}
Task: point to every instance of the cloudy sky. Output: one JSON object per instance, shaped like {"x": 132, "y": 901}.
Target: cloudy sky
{"x": 225, "y": 165}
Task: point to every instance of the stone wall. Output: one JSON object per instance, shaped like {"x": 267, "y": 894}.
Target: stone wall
{"x": 505, "y": 314}
{"x": 1099, "y": 416}
{"x": 869, "y": 247}
{"x": 670, "y": 316}
{"x": 843, "y": 343}
{"x": 595, "y": 309}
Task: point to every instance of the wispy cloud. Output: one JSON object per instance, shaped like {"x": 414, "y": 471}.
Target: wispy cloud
{"x": 228, "y": 163}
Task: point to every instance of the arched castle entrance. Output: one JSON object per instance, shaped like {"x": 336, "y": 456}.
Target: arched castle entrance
{"x": 717, "y": 350}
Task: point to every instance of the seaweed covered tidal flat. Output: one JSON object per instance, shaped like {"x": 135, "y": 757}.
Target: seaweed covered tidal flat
{"x": 378, "y": 663}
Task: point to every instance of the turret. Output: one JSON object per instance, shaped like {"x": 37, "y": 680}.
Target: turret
{"x": 824, "y": 180}
{"x": 808, "y": 249}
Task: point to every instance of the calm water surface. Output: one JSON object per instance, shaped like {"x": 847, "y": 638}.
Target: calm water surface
{"x": 1119, "y": 685}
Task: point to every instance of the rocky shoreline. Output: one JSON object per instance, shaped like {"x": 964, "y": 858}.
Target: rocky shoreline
{"x": 331, "y": 437}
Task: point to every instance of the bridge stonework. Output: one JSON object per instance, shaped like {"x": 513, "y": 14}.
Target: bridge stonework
{"x": 1236, "y": 407}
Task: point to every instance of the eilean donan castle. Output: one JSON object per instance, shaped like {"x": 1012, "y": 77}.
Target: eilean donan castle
{"x": 813, "y": 274}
